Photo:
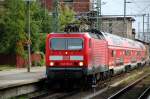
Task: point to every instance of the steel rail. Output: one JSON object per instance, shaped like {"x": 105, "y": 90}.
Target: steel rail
{"x": 144, "y": 94}
{"x": 123, "y": 90}
{"x": 40, "y": 95}
{"x": 49, "y": 94}
{"x": 61, "y": 95}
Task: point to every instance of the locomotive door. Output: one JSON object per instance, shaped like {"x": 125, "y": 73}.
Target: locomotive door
{"x": 92, "y": 51}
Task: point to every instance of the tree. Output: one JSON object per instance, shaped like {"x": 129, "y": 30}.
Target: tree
{"x": 66, "y": 16}
{"x": 13, "y": 22}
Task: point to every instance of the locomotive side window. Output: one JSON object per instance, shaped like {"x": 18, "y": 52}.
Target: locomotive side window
{"x": 127, "y": 53}
{"x": 90, "y": 43}
{"x": 66, "y": 43}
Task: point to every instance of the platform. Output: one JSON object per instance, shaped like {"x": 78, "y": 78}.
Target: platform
{"x": 17, "y": 77}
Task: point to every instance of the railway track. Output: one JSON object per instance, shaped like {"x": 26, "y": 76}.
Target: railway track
{"x": 121, "y": 94}
{"x": 145, "y": 94}
{"x": 48, "y": 95}
{"x": 61, "y": 94}
{"x": 101, "y": 87}
{"x": 50, "y": 92}
{"x": 58, "y": 95}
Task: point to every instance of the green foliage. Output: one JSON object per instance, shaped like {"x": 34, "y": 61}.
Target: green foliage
{"x": 41, "y": 62}
{"x": 14, "y": 26}
{"x": 66, "y": 16}
{"x": 42, "y": 37}
{"x": 40, "y": 23}
{"x": 14, "y": 30}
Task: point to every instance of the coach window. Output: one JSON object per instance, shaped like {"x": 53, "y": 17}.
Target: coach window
{"x": 113, "y": 53}
{"x": 138, "y": 53}
{"x": 127, "y": 53}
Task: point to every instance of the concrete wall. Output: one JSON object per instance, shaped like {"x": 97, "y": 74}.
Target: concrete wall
{"x": 117, "y": 26}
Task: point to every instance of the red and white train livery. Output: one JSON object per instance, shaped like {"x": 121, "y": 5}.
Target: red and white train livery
{"x": 77, "y": 55}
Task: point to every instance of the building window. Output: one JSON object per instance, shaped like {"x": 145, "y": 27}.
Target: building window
{"x": 110, "y": 27}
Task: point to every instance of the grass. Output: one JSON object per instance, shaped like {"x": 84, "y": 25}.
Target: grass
{"x": 6, "y": 67}
{"x": 21, "y": 97}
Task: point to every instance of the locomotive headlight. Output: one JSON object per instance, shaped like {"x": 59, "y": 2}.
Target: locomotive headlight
{"x": 80, "y": 63}
{"x": 51, "y": 63}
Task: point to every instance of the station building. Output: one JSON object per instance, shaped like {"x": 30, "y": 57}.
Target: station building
{"x": 118, "y": 25}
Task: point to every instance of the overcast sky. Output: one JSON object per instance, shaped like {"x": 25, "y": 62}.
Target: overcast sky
{"x": 136, "y": 7}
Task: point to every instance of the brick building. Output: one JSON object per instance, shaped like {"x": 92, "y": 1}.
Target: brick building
{"x": 79, "y": 6}
{"x": 111, "y": 24}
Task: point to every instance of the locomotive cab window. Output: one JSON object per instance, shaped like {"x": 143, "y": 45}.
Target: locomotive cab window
{"x": 66, "y": 44}
{"x": 74, "y": 44}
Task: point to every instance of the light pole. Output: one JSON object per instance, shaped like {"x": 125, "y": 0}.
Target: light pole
{"x": 124, "y": 27}
{"x": 29, "y": 35}
{"x": 55, "y": 15}
{"x": 98, "y": 14}
{"x": 148, "y": 26}
{"x": 144, "y": 27}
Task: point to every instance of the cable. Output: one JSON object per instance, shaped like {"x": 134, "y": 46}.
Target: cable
{"x": 145, "y": 8}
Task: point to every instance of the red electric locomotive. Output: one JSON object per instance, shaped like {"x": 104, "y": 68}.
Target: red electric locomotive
{"x": 90, "y": 54}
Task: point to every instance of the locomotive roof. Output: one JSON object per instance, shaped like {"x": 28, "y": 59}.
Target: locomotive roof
{"x": 115, "y": 40}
